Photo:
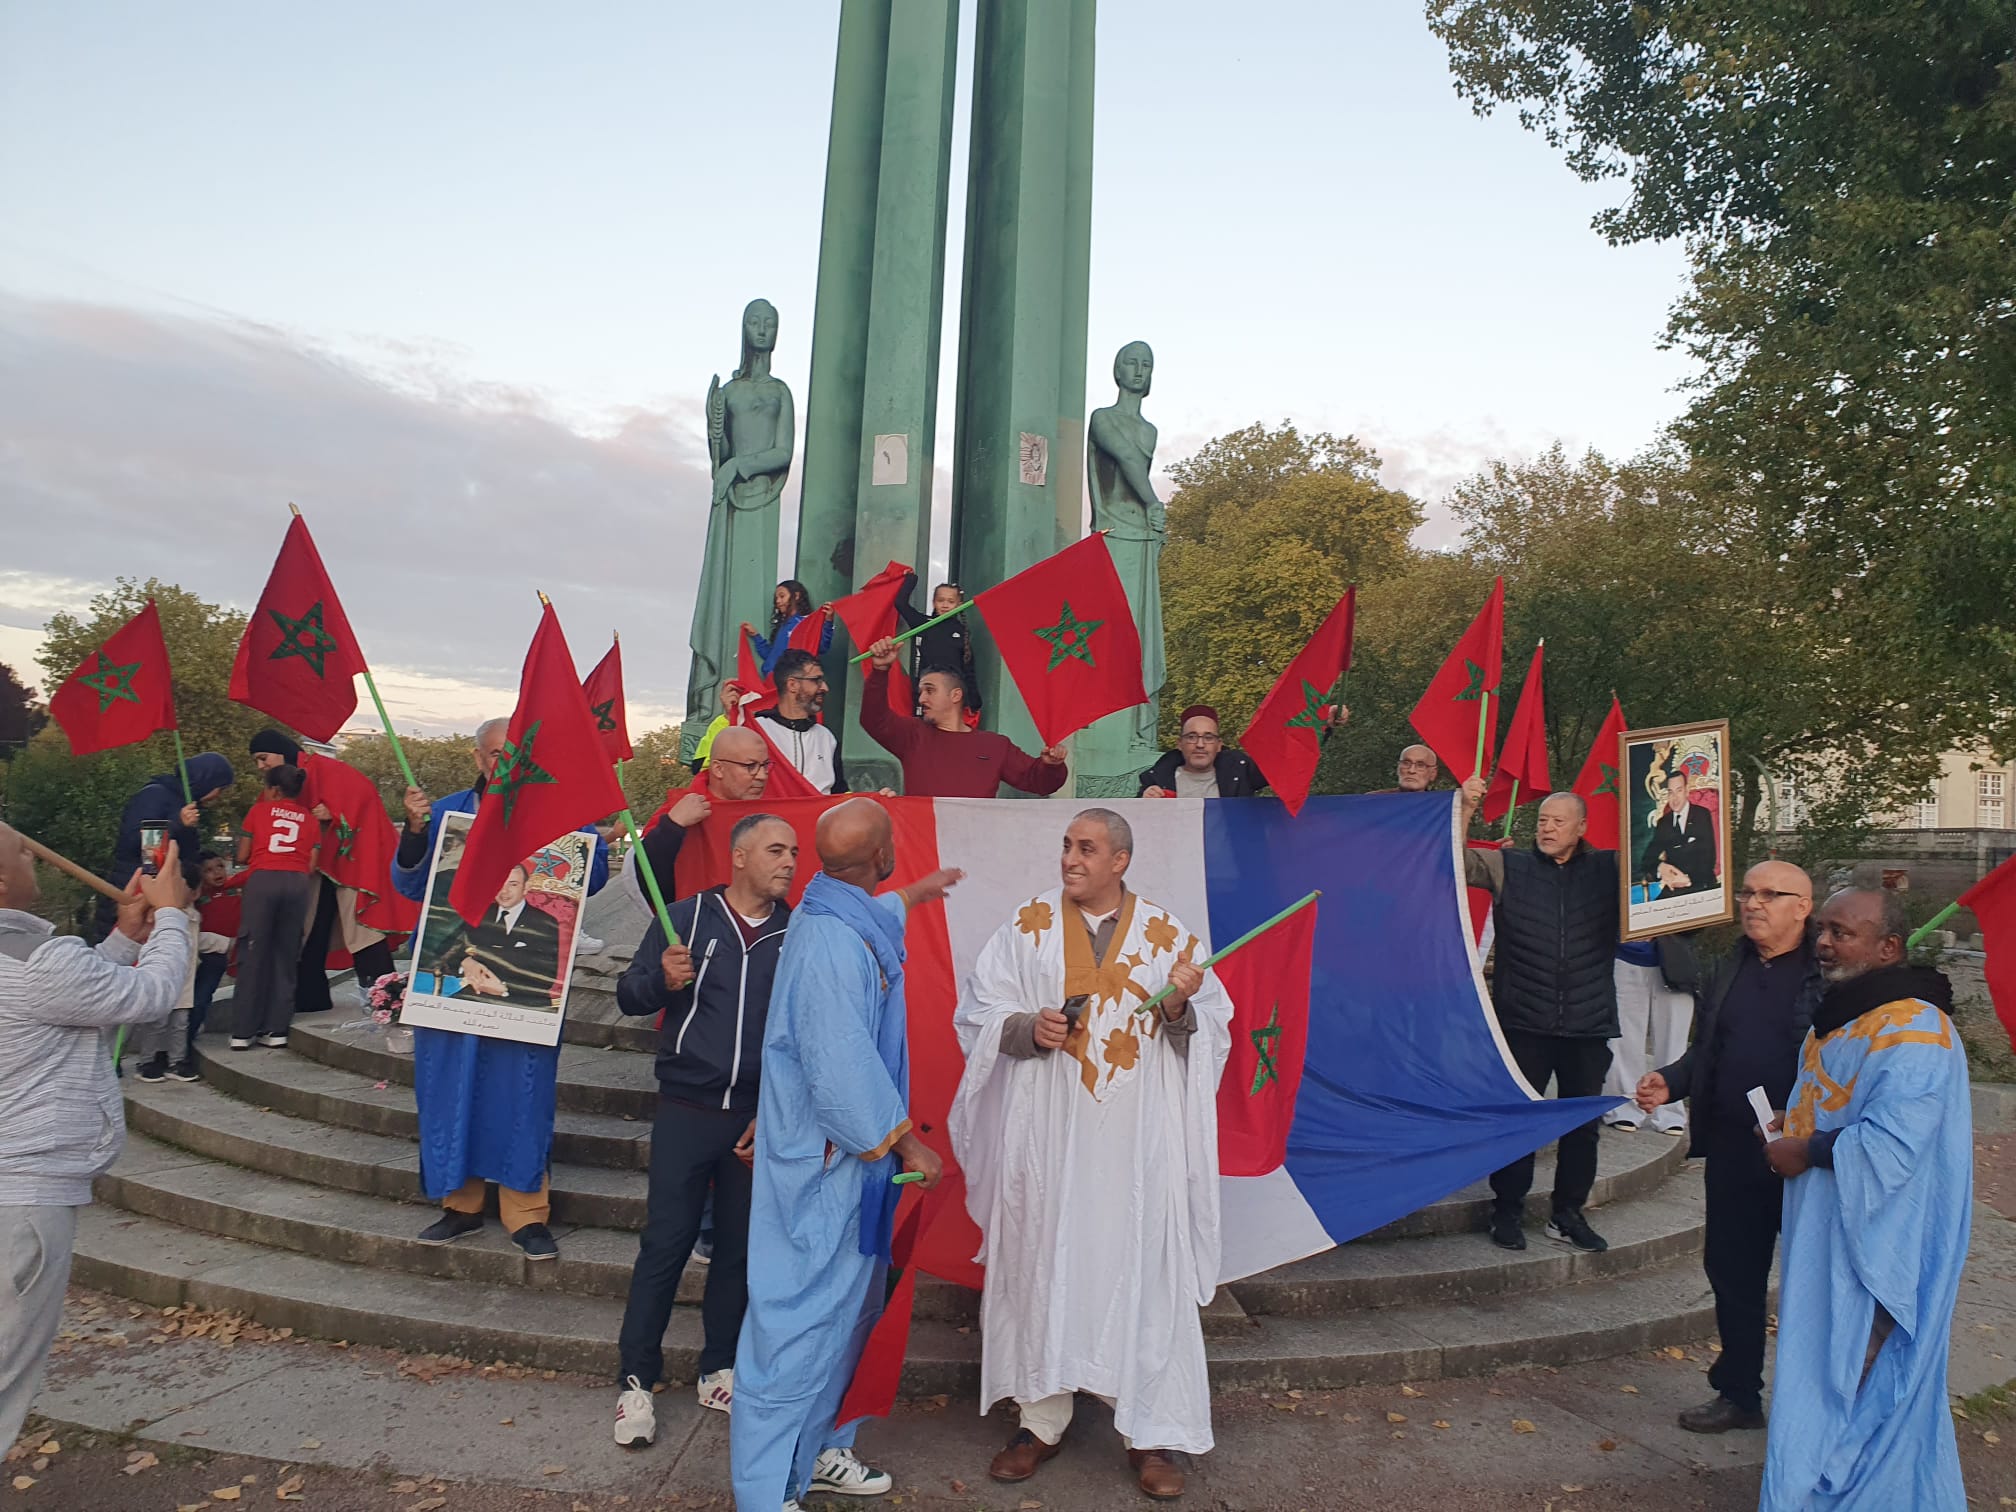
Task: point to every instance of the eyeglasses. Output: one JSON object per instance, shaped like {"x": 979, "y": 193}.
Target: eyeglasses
{"x": 817, "y": 679}
{"x": 1200, "y": 740}
{"x": 1765, "y": 895}
{"x": 747, "y": 766}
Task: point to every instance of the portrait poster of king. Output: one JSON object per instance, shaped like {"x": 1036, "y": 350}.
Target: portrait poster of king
{"x": 507, "y": 975}
{"x": 1673, "y": 843}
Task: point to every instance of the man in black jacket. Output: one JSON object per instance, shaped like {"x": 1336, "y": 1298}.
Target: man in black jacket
{"x": 713, "y": 991}
{"x": 1201, "y": 767}
{"x": 1555, "y": 995}
{"x": 1749, "y": 1023}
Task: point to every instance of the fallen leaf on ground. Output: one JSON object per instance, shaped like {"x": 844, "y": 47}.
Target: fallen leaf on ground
{"x": 1440, "y": 1423}
{"x": 1409, "y": 1391}
{"x": 552, "y": 1469}
{"x": 141, "y": 1460}
{"x": 1520, "y": 1425}
{"x": 1991, "y": 1438}
{"x": 23, "y": 1482}
{"x": 311, "y": 1443}
{"x": 504, "y": 1422}
{"x": 1297, "y": 1396}
{"x": 1607, "y": 1445}
{"x": 1628, "y": 1390}
{"x": 1566, "y": 1487}
{"x": 959, "y": 1487}
{"x": 50, "y": 1447}
{"x": 428, "y": 1505}
{"x": 405, "y": 1488}
{"x": 227, "y": 1493}
{"x": 1675, "y": 1352}
{"x": 38, "y": 1464}
{"x": 248, "y": 1480}
{"x": 1396, "y": 1417}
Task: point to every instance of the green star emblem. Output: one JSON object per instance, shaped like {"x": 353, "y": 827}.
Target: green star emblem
{"x": 303, "y": 637}
{"x": 1266, "y": 1041}
{"x": 605, "y": 719}
{"x": 1609, "y": 782}
{"x": 1069, "y": 637}
{"x": 1311, "y": 715}
{"x": 111, "y": 682}
{"x": 1476, "y": 690}
{"x": 346, "y": 837}
{"x": 516, "y": 770}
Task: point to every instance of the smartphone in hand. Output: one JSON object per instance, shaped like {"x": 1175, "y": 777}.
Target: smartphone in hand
{"x": 153, "y": 841}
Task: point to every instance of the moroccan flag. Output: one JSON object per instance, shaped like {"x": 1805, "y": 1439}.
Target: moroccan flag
{"x": 299, "y": 658}
{"x": 1598, "y": 781}
{"x": 553, "y": 776}
{"x": 870, "y": 614}
{"x": 1993, "y": 900}
{"x": 872, "y": 1391}
{"x": 1068, "y": 638}
{"x": 605, "y": 700}
{"x": 1268, "y": 982}
{"x": 1285, "y": 738}
{"x": 359, "y": 842}
{"x": 750, "y": 679}
{"x": 807, "y": 633}
{"x": 1464, "y": 690}
{"x": 121, "y": 692}
{"x": 1524, "y": 758}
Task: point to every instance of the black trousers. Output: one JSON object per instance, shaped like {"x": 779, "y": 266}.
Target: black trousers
{"x": 371, "y": 963}
{"x": 311, "y": 979}
{"x": 1577, "y": 1067}
{"x": 269, "y": 951}
{"x": 1746, "y": 1202}
{"x": 692, "y": 1153}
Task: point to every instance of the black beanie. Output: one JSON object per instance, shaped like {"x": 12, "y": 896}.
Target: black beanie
{"x": 273, "y": 743}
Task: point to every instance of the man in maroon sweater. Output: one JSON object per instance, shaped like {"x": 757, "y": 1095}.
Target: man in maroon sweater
{"x": 941, "y": 758}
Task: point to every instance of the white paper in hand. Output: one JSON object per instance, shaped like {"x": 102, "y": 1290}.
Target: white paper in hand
{"x": 1761, "y": 1106}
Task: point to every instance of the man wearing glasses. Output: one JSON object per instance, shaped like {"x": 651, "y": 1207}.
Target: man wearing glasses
{"x": 1752, "y": 1017}
{"x": 738, "y": 769}
{"x": 1201, "y": 767}
{"x": 793, "y": 725}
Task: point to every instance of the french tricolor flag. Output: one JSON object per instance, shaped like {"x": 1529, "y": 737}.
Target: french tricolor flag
{"x": 1383, "y": 1089}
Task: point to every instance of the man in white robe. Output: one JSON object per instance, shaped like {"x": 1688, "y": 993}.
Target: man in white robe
{"x": 1088, "y": 1134}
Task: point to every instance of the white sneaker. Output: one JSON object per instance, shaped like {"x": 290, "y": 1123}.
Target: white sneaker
{"x": 792, "y": 1506}
{"x": 636, "y": 1418}
{"x": 273, "y": 1041}
{"x": 716, "y": 1389}
{"x": 840, "y": 1472}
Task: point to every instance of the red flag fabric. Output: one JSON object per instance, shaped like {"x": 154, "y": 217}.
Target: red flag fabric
{"x": 1065, "y": 632}
{"x": 1268, "y": 982}
{"x": 1524, "y": 758}
{"x": 1597, "y": 781}
{"x": 1993, "y": 900}
{"x": 872, "y": 1391}
{"x": 604, "y": 688}
{"x": 298, "y": 660}
{"x": 120, "y": 693}
{"x": 750, "y": 679}
{"x": 359, "y": 842}
{"x": 870, "y": 613}
{"x": 807, "y": 633}
{"x": 553, "y": 776}
{"x": 1285, "y": 738}
{"x": 1447, "y": 716}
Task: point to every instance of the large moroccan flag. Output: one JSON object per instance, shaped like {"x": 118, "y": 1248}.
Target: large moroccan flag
{"x": 1993, "y": 900}
{"x": 553, "y": 776}
{"x": 299, "y": 660}
{"x": 359, "y": 842}
{"x": 1268, "y": 983}
{"x": 1285, "y": 738}
{"x": 1597, "y": 782}
{"x": 1465, "y": 692}
{"x": 121, "y": 692}
{"x": 1067, "y": 636}
{"x": 605, "y": 700}
{"x": 1522, "y": 775}
{"x": 870, "y": 613}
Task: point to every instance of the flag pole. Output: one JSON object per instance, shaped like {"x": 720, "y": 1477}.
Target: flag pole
{"x": 182, "y": 766}
{"x": 650, "y": 879}
{"x": 1506, "y": 833}
{"x": 914, "y": 631}
{"x": 1483, "y": 723}
{"x": 1239, "y": 944}
{"x": 1931, "y": 924}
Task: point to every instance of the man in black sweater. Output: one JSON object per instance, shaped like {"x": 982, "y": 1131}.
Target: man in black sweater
{"x": 1749, "y": 1023}
{"x": 1555, "y": 995}
{"x": 713, "y": 991}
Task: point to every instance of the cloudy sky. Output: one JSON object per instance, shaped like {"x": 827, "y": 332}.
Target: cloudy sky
{"x": 453, "y": 279}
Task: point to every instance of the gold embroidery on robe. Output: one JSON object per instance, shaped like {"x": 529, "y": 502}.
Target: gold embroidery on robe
{"x": 1111, "y": 983}
{"x": 1895, "y": 1017}
{"x": 1819, "y": 1093}
{"x": 1160, "y": 934}
{"x": 1033, "y": 920}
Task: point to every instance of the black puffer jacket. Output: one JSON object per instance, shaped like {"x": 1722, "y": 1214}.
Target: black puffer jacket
{"x": 1238, "y": 777}
{"x": 1557, "y": 938}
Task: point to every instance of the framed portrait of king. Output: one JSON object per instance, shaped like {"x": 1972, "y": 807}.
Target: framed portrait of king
{"x": 1673, "y": 860}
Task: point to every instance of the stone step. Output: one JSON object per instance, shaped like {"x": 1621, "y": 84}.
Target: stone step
{"x": 593, "y": 1019}
{"x": 160, "y": 1263}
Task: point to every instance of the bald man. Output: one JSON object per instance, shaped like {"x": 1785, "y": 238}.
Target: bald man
{"x": 1753, "y": 1015}
{"x": 833, "y": 1132}
{"x": 738, "y": 770}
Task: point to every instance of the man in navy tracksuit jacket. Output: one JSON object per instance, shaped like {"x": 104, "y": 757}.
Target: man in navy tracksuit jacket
{"x": 713, "y": 990}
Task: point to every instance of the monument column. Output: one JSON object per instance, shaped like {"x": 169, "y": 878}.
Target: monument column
{"x": 1018, "y": 448}
{"x": 872, "y": 405}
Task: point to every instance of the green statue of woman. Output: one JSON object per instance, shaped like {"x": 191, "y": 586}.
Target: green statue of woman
{"x": 749, "y": 440}
{"x": 1124, "y": 505}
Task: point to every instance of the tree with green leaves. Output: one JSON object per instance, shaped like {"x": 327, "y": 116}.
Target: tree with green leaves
{"x": 20, "y": 715}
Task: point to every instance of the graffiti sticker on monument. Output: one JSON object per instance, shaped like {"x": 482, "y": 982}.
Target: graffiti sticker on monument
{"x": 506, "y": 975}
{"x": 1674, "y": 816}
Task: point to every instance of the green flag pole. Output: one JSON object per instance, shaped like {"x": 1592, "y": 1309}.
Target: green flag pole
{"x": 650, "y": 879}
{"x": 1506, "y": 833}
{"x": 914, "y": 631}
{"x": 1239, "y": 944}
{"x": 1483, "y": 723}
{"x": 1931, "y": 924}
{"x": 182, "y": 766}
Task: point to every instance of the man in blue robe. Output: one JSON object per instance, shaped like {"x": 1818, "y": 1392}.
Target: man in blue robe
{"x": 832, "y": 1133}
{"x": 486, "y": 1105}
{"x": 1878, "y": 1161}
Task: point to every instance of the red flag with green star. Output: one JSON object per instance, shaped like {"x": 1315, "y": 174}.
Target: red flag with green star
{"x": 359, "y": 842}
{"x": 299, "y": 659}
{"x": 605, "y": 701}
{"x": 1067, "y": 636}
{"x": 121, "y": 692}
{"x": 554, "y": 774}
{"x": 1268, "y": 983}
{"x": 1465, "y": 689}
{"x": 1598, "y": 781}
{"x": 1285, "y": 739}
{"x": 1522, "y": 773}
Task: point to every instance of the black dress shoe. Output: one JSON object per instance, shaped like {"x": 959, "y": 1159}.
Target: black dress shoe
{"x": 1507, "y": 1232}
{"x": 1720, "y": 1415}
{"x": 449, "y": 1227}
{"x": 537, "y": 1242}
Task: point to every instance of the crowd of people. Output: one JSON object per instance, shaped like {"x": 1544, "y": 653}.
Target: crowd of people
{"x": 783, "y": 1117}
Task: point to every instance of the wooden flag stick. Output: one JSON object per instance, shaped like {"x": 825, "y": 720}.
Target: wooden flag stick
{"x": 72, "y": 870}
{"x": 1239, "y": 944}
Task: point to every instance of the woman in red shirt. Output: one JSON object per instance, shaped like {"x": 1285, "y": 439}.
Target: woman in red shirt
{"x": 280, "y": 890}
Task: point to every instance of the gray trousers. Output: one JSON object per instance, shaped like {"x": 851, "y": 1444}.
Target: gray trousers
{"x": 169, "y": 1036}
{"x": 275, "y": 912}
{"x": 35, "y": 1247}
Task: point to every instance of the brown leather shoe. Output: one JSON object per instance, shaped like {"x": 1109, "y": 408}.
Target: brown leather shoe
{"x": 1160, "y": 1477}
{"x": 1019, "y": 1460}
